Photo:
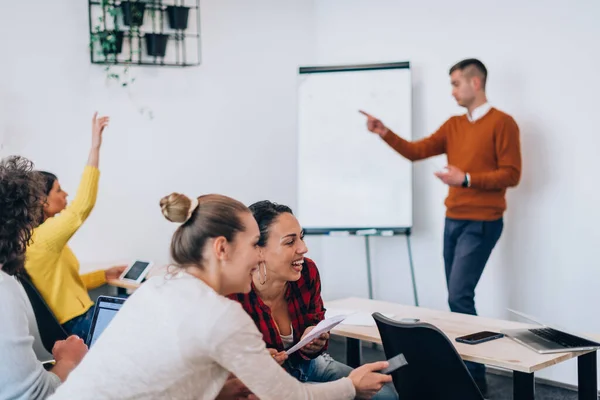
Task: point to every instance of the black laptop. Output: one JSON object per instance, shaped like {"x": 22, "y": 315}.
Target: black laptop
{"x": 106, "y": 309}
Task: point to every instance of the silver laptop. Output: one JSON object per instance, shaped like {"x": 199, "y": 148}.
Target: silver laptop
{"x": 549, "y": 338}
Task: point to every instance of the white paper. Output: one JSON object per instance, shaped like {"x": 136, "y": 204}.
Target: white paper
{"x": 322, "y": 327}
{"x": 354, "y": 318}
{"x": 334, "y": 312}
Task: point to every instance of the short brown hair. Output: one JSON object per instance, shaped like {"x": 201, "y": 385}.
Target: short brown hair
{"x": 215, "y": 216}
{"x": 21, "y": 196}
{"x": 472, "y": 67}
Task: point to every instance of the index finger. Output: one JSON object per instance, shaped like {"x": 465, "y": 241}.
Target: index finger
{"x": 366, "y": 114}
{"x": 95, "y": 115}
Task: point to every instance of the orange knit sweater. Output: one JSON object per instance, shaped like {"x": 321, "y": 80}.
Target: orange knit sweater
{"x": 488, "y": 149}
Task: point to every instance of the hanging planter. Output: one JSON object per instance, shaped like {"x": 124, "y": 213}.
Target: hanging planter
{"x": 111, "y": 42}
{"x": 178, "y": 17}
{"x": 133, "y": 12}
{"x": 156, "y": 44}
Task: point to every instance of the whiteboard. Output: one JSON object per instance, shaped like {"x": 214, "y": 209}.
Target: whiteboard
{"x": 348, "y": 177}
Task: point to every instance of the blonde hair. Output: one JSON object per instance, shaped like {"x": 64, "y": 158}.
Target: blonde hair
{"x": 214, "y": 216}
{"x": 176, "y": 207}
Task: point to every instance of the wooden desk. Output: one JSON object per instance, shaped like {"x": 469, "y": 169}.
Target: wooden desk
{"x": 503, "y": 353}
{"x": 122, "y": 286}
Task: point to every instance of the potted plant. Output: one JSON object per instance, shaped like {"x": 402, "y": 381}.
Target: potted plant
{"x": 111, "y": 42}
{"x": 133, "y": 12}
{"x": 178, "y": 17}
{"x": 156, "y": 42}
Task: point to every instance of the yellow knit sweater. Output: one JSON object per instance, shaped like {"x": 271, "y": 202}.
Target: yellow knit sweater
{"x": 51, "y": 264}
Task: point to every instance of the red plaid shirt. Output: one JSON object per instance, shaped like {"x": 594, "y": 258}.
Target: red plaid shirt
{"x": 305, "y": 306}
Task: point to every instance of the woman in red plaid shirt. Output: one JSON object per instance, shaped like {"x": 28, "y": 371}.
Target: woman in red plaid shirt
{"x": 285, "y": 301}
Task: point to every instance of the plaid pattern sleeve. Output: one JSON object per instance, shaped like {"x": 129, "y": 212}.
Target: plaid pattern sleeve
{"x": 305, "y": 307}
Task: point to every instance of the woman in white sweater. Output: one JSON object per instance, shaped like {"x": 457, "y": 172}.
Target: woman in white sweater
{"x": 22, "y": 376}
{"x": 179, "y": 337}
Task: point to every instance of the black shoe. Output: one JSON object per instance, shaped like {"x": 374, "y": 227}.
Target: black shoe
{"x": 483, "y": 386}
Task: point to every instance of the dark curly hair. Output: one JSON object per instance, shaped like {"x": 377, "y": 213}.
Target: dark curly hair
{"x": 21, "y": 192}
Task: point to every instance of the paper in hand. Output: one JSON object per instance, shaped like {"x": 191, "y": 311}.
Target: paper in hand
{"x": 322, "y": 327}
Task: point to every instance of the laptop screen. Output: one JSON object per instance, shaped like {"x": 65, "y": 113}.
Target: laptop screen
{"x": 106, "y": 309}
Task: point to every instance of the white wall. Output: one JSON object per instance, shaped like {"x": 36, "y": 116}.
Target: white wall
{"x": 543, "y": 59}
{"x": 227, "y": 126}
{"x": 236, "y": 115}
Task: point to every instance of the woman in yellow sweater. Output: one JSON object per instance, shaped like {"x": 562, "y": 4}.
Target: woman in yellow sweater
{"x": 50, "y": 263}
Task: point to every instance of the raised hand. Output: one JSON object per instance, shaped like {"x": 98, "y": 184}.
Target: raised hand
{"x": 98, "y": 125}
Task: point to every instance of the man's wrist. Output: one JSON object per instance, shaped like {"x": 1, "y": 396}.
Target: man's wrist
{"x": 467, "y": 181}
{"x": 384, "y": 133}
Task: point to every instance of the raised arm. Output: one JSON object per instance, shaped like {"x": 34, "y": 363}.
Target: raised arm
{"x": 430, "y": 146}
{"x": 98, "y": 125}
{"x": 55, "y": 232}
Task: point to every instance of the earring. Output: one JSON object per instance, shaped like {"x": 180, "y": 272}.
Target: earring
{"x": 261, "y": 279}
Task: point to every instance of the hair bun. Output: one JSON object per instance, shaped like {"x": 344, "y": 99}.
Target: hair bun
{"x": 175, "y": 207}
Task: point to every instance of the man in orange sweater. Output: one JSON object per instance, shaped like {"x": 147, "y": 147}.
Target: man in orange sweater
{"x": 484, "y": 158}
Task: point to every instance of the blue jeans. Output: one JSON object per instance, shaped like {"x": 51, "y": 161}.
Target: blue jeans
{"x": 80, "y": 325}
{"x": 467, "y": 248}
{"x": 325, "y": 369}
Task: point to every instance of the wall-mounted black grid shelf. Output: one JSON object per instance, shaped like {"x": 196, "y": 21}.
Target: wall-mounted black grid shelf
{"x": 145, "y": 32}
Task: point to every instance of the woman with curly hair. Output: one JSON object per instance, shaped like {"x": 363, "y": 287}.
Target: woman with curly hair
{"x": 51, "y": 264}
{"x": 22, "y": 376}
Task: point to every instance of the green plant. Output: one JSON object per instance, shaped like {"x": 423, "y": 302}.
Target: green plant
{"x": 107, "y": 43}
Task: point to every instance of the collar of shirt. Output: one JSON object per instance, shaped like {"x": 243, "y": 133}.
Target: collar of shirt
{"x": 479, "y": 112}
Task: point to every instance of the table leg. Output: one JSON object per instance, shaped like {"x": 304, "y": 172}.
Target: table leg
{"x": 523, "y": 386}
{"x": 587, "y": 376}
{"x": 353, "y": 352}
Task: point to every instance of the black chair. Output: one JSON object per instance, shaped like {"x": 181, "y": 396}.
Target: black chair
{"x": 50, "y": 330}
{"x": 435, "y": 370}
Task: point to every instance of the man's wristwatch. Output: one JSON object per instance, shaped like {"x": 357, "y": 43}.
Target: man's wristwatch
{"x": 467, "y": 181}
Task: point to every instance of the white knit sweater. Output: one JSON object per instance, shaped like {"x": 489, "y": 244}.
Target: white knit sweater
{"x": 178, "y": 339}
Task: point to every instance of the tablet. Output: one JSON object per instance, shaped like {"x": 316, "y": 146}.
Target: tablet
{"x": 136, "y": 272}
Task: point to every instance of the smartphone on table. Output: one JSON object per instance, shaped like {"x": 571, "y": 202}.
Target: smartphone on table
{"x": 479, "y": 337}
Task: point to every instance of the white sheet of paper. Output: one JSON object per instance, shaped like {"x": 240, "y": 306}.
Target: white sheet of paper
{"x": 354, "y": 318}
{"x": 322, "y": 327}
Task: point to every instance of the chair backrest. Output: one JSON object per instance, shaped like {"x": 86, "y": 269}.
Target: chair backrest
{"x": 50, "y": 329}
{"x": 434, "y": 371}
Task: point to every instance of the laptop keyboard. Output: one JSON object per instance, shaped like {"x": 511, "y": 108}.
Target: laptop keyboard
{"x": 564, "y": 339}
